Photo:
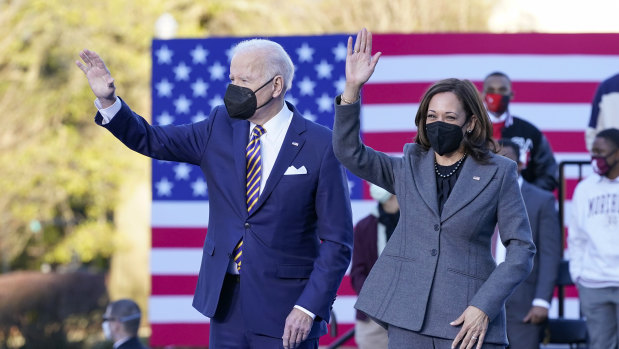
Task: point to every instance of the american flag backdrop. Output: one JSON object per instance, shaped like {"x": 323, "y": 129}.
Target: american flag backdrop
{"x": 554, "y": 79}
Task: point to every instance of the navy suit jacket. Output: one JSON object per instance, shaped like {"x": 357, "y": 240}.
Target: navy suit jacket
{"x": 297, "y": 242}
{"x": 546, "y": 233}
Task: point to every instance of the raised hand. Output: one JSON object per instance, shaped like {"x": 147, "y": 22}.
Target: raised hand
{"x": 360, "y": 64}
{"x": 99, "y": 77}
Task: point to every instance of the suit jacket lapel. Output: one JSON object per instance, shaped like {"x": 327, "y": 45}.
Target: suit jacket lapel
{"x": 286, "y": 155}
{"x": 472, "y": 180}
{"x": 423, "y": 174}
{"x": 239, "y": 144}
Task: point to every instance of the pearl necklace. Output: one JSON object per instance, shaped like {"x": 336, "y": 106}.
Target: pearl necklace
{"x": 458, "y": 163}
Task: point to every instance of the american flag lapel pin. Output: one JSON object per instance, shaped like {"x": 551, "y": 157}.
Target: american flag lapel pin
{"x": 476, "y": 178}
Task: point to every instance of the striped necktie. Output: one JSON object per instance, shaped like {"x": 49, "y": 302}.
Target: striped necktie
{"x": 254, "y": 170}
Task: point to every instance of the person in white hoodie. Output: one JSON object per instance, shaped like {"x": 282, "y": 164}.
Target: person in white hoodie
{"x": 593, "y": 241}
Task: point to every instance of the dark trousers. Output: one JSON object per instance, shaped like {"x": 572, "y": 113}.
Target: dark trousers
{"x": 400, "y": 338}
{"x": 228, "y": 327}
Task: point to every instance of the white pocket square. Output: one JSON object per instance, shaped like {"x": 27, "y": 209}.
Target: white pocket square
{"x": 295, "y": 171}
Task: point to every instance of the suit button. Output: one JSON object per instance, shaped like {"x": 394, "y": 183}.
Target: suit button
{"x": 247, "y": 225}
{"x": 436, "y": 227}
{"x": 434, "y": 252}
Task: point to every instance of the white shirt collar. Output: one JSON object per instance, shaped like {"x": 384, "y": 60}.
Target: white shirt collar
{"x": 278, "y": 124}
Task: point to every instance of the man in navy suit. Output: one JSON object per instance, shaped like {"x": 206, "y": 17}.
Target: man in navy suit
{"x": 280, "y": 229}
{"x": 527, "y": 308}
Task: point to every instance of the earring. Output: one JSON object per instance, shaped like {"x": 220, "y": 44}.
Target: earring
{"x": 469, "y": 131}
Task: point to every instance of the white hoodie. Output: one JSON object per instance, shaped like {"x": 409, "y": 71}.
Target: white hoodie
{"x": 593, "y": 237}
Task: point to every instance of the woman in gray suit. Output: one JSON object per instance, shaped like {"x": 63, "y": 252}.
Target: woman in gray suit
{"x": 436, "y": 284}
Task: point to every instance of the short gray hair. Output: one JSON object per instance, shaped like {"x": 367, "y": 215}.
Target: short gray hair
{"x": 276, "y": 59}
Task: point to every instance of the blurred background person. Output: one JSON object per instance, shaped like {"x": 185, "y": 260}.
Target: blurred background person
{"x": 538, "y": 163}
{"x": 121, "y": 322}
{"x": 436, "y": 284}
{"x": 370, "y": 237}
{"x": 527, "y": 308}
{"x": 604, "y": 109}
{"x": 593, "y": 239}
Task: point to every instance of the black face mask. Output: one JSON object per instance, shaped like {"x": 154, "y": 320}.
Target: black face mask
{"x": 444, "y": 138}
{"x": 241, "y": 101}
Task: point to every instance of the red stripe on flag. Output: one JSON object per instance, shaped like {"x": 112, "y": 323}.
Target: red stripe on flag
{"x": 450, "y": 44}
{"x": 341, "y": 329}
{"x": 169, "y": 285}
{"x": 525, "y": 92}
{"x": 393, "y": 142}
{"x": 178, "y": 237}
{"x": 346, "y": 287}
{"x": 196, "y": 335}
{"x": 191, "y": 335}
{"x": 177, "y": 285}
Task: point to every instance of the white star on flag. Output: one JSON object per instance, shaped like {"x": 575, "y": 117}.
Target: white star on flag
{"x": 164, "y": 187}
{"x": 323, "y": 69}
{"x": 164, "y": 88}
{"x": 181, "y": 171}
{"x": 306, "y": 86}
{"x": 309, "y": 116}
{"x": 305, "y": 53}
{"x": 199, "y": 88}
{"x": 339, "y": 52}
{"x": 340, "y": 84}
{"x": 217, "y": 71}
{"x": 181, "y": 72}
{"x": 292, "y": 100}
{"x": 199, "y": 187}
{"x": 198, "y": 117}
{"x": 215, "y": 101}
{"x": 165, "y": 118}
{"x": 164, "y": 55}
{"x": 182, "y": 104}
{"x": 325, "y": 103}
{"x": 199, "y": 55}
{"x": 230, "y": 52}
{"x": 351, "y": 185}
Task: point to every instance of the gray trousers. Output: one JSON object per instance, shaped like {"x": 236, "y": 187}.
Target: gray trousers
{"x": 400, "y": 338}
{"x": 600, "y": 306}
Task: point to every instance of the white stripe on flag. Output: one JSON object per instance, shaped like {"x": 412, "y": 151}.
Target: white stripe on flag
{"x": 166, "y": 214}
{"x": 173, "y": 309}
{"x": 545, "y": 116}
{"x": 175, "y": 261}
{"x": 178, "y": 309}
{"x": 422, "y": 68}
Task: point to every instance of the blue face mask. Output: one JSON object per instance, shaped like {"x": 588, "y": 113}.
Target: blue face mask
{"x": 241, "y": 101}
{"x": 444, "y": 137}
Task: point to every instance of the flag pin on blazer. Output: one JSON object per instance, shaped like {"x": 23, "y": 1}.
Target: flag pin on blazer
{"x": 476, "y": 178}
{"x": 295, "y": 144}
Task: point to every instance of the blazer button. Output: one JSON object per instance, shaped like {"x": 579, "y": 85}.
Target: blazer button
{"x": 247, "y": 225}
{"x": 434, "y": 252}
{"x": 436, "y": 227}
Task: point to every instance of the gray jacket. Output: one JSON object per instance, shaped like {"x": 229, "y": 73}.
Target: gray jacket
{"x": 434, "y": 266}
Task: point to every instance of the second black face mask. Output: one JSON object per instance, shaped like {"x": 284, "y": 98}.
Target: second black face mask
{"x": 241, "y": 101}
{"x": 444, "y": 138}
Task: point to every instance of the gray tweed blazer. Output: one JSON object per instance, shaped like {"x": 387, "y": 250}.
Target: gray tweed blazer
{"x": 434, "y": 266}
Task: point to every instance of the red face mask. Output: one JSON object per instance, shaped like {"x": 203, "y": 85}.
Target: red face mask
{"x": 600, "y": 164}
{"x": 497, "y": 103}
